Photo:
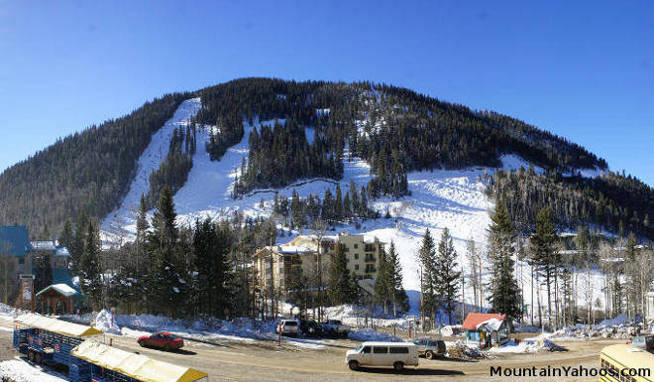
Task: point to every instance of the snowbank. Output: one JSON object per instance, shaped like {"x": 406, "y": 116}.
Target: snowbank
{"x": 368, "y": 334}
{"x": 20, "y": 371}
{"x": 105, "y": 321}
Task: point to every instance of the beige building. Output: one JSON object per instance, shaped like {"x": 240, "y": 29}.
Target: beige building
{"x": 275, "y": 264}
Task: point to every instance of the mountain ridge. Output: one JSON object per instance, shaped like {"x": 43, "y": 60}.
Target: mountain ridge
{"x": 394, "y": 130}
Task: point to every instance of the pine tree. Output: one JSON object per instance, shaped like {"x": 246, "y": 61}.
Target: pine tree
{"x": 544, "y": 254}
{"x": 427, "y": 260}
{"x": 399, "y": 297}
{"x": 66, "y": 238}
{"x": 384, "y": 286}
{"x": 90, "y": 267}
{"x": 341, "y": 287}
{"x": 504, "y": 292}
{"x": 77, "y": 247}
{"x": 446, "y": 277}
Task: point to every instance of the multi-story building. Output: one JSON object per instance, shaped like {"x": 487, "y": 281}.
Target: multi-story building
{"x": 275, "y": 264}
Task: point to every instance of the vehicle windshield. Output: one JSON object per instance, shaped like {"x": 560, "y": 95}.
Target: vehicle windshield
{"x": 358, "y": 349}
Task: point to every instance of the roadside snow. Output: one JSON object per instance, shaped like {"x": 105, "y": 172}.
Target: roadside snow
{"x": 21, "y": 371}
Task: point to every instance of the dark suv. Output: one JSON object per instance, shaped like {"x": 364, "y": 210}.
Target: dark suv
{"x": 310, "y": 328}
{"x": 429, "y": 348}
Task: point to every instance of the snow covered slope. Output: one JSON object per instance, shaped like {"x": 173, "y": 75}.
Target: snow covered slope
{"x": 439, "y": 199}
{"x": 149, "y": 161}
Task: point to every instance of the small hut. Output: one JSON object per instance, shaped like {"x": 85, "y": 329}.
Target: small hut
{"x": 54, "y": 295}
{"x": 486, "y": 329}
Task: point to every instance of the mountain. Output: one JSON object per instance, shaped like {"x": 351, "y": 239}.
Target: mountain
{"x": 234, "y": 146}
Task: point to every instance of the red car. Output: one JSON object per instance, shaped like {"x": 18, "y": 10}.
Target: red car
{"x": 161, "y": 340}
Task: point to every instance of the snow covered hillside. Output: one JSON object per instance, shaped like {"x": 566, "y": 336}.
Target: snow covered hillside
{"x": 120, "y": 219}
{"x": 439, "y": 199}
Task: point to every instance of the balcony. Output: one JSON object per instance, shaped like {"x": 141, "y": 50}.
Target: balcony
{"x": 370, "y": 259}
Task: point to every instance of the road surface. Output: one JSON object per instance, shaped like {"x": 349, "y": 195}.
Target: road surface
{"x": 264, "y": 361}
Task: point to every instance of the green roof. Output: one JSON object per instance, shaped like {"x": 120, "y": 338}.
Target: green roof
{"x": 14, "y": 241}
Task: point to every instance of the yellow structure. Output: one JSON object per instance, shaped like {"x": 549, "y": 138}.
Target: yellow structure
{"x": 56, "y": 326}
{"x": 618, "y": 360}
{"x": 274, "y": 264}
{"x": 136, "y": 366}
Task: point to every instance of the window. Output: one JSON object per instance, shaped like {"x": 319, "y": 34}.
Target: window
{"x": 356, "y": 267}
{"x": 356, "y": 255}
{"x": 380, "y": 350}
{"x": 399, "y": 350}
{"x": 21, "y": 261}
{"x": 366, "y": 350}
{"x": 356, "y": 246}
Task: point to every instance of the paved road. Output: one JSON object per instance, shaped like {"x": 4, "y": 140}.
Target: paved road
{"x": 260, "y": 360}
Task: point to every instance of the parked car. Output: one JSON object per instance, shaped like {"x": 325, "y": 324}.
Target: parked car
{"x": 335, "y": 328}
{"x": 645, "y": 342}
{"x": 161, "y": 340}
{"x": 395, "y": 354}
{"x": 429, "y": 348}
{"x": 310, "y": 328}
{"x": 289, "y": 328}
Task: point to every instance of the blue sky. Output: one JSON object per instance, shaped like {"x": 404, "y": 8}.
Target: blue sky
{"x": 584, "y": 70}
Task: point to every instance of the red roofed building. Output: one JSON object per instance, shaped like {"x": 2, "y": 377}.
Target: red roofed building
{"x": 485, "y": 329}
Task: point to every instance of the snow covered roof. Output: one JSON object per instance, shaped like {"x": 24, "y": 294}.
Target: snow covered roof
{"x": 64, "y": 328}
{"x": 135, "y": 365}
{"x": 62, "y": 289}
{"x": 473, "y": 320}
{"x": 292, "y": 249}
{"x": 493, "y": 324}
{"x": 49, "y": 245}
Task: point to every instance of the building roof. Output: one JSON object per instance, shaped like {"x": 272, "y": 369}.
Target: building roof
{"x": 14, "y": 240}
{"x": 134, "y": 365}
{"x": 63, "y": 328}
{"x": 63, "y": 289}
{"x": 473, "y": 320}
{"x": 50, "y": 245}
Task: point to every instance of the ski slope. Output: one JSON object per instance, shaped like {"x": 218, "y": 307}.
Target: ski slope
{"x": 121, "y": 220}
{"x": 439, "y": 199}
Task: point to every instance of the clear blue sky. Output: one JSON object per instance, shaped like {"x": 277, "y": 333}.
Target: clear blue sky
{"x": 584, "y": 70}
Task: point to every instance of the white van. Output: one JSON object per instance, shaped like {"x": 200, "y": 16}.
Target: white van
{"x": 396, "y": 354}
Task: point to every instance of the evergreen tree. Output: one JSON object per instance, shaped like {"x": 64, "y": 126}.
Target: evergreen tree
{"x": 399, "y": 297}
{"x": 341, "y": 286}
{"x": 90, "y": 267}
{"x": 504, "y": 292}
{"x": 544, "y": 254}
{"x": 427, "y": 260}
{"x": 446, "y": 276}
{"x": 67, "y": 237}
{"x": 384, "y": 286}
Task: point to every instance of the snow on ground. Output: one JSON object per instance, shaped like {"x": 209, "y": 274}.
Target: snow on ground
{"x": 21, "y": 371}
{"x": 149, "y": 161}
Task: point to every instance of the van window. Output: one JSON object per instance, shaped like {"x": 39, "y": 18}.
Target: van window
{"x": 366, "y": 350}
{"x": 290, "y": 323}
{"x": 380, "y": 350}
{"x": 399, "y": 350}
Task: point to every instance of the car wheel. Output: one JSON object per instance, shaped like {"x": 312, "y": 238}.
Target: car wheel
{"x": 398, "y": 366}
{"x": 30, "y": 356}
{"x": 37, "y": 358}
{"x": 429, "y": 354}
{"x": 354, "y": 365}
{"x": 167, "y": 348}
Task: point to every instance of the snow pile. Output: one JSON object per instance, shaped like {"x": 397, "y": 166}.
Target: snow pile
{"x": 368, "y": 334}
{"x": 492, "y": 324}
{"x": 529, "y": 345}
{"x": 105, "y": 321}
{"x": 20, "y": 371}
{"x": 619, "y": 320}
{"x": 7, "y": 311}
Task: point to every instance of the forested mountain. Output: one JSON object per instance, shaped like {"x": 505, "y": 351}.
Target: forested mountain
{"x": 88, "y": 171}
{"x": 394, "y": 130}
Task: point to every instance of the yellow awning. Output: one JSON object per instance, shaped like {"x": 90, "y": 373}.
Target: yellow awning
{"x": 56, "y": 326}
{"x": 134, "y": 365}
